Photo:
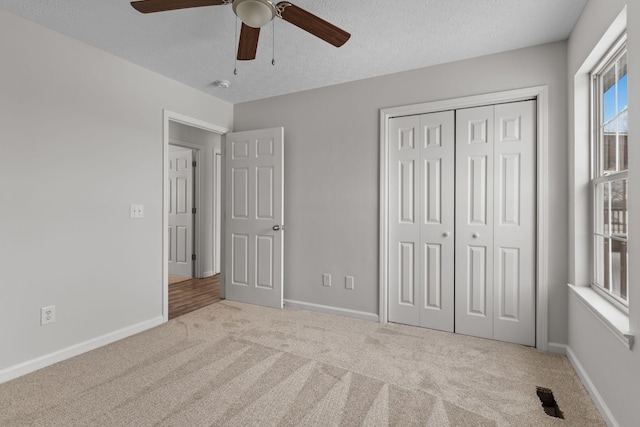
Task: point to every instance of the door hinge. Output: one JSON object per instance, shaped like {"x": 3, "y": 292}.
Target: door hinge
{"x": 193, "y": 210}
{"x": 193, "y": 164}
{"x": 193, "y": 257}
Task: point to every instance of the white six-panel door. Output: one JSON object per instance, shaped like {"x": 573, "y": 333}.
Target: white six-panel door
{"x": 180, "y": 213}
{"x": 421, "y": 220}
{"x": 490, "y": 291}
{"x": 254, "y": 215}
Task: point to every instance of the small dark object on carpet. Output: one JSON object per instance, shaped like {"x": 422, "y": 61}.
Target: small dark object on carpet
{"x": 549, "y": 402}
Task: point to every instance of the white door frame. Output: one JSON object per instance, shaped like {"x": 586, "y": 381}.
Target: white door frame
{"x": 540, "y": 93}
{"x": 169, "y": 116}
{"x": 216, "y": 208}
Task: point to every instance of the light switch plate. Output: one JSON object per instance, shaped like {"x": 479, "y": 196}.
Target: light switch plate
{"x": 326, "y": 280}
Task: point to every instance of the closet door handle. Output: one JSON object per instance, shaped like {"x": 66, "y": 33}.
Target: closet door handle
{"x": 446, "y": 234}
{"x": 476, "y": 235}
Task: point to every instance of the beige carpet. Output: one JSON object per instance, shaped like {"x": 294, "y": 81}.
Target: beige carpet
{"x": 177, "y": 279}
{"x": 233, "y": 364}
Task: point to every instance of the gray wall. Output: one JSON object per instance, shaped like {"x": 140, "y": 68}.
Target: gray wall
{"x": 332, "y": 169}
{"x": 208, "y": 143}
{"x": 80, "y": 140}
{"x": 612, "y": 369}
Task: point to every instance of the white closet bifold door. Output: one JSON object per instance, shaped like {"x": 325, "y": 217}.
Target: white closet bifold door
{"x": 462, "y": 221}
{"x": 421, "y": 225}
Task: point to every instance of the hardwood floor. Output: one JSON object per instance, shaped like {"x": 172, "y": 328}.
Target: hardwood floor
{"x": 193, "y": 294}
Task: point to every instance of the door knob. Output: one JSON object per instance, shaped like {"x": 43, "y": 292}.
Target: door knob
{"x": 446, "y": 234}
{"x": 476, "y": 235}
{"x": 276, "y": 228}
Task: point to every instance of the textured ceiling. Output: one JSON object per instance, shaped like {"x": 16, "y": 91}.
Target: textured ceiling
{"x": 197, "y": 46}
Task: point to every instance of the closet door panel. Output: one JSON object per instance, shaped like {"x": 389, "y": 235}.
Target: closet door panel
{"x": 436, "y": 285}
{"x": 474, "y": 222}
{"x": 404, "y": 220}
{"x": 514, "y": 234}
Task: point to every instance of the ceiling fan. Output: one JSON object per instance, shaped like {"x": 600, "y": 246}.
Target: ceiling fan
{"x": 255, "y": 14}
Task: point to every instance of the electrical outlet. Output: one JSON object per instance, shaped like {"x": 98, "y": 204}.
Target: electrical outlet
{"x": 326, "y": 280}
{"x": 47, "y": 315}
{"x": 349, "y": 282}
{"x": 136, "y": 211}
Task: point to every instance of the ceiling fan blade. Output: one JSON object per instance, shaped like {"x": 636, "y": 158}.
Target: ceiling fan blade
{"x": 312, "y": 24}
{"x": 148, "y": 6}
{"x": 248, "y": 44}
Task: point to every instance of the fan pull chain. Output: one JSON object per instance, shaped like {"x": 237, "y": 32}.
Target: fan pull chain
{"x": 273, "y": 42}
{"x": 235, "y": 65}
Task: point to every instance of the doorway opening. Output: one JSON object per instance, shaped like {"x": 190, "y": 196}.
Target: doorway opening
{"x": 191, "y": 226}
{"x": 192, "y": 294}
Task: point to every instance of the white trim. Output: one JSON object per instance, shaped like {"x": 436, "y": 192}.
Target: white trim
{"x": 168, "y": 116}
{"x": 223, "y": 209}
{"x": 541, "y": 94}
{"x": 216, "y": 202}
{"x": 190, "y": 121}
{"x": 615, "y": 31}
{"x": 591, "y": 389}
{"x": 542, "y": 226}
{"x": 383, "y": 237}
{"x": 615, "y": 320}
{"x": 557, "y": 348}
{"x": 354, "y": 314}
{"x": 464, "y": 102}
{"x": 75, "y": 350}
{"x": 208, "y": 273}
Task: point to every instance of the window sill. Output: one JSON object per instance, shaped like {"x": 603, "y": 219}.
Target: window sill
{"x": 614, "y": 319}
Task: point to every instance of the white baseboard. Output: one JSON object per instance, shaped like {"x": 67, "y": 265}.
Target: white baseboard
{"x": 66, "y": 353}
{"x": 332, "y": 310}
{"x": 208, "y": 274}
{"x": 591, "y": 389}
{"x": 554, "y": 347}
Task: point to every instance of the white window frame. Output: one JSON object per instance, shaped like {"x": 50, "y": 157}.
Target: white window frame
{"x": 596, "y": 178}
{"x": 609, "y": 315}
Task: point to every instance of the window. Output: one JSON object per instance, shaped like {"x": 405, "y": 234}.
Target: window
{"x": 609, "y": 183}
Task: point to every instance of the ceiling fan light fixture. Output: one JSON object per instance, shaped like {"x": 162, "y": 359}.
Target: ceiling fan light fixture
{"x": 254, "y": 13}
